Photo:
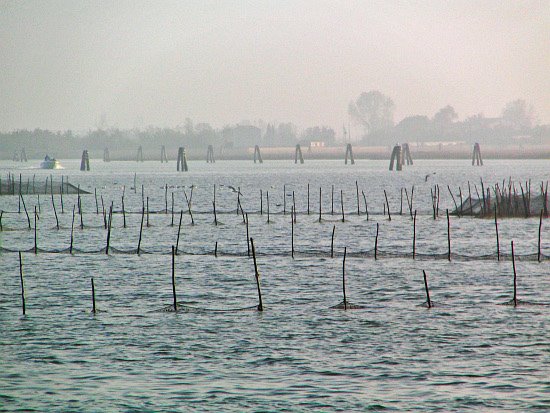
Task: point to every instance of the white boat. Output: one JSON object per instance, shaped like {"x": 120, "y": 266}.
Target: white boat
{"x": 50, "y": 163}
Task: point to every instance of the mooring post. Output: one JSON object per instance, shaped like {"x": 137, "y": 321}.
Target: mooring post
{"x": 298, "y": 154}
{"x": 55, "y": 213}
{"x": 216, "y": 250}
{"x": 332, "y": 242}
{"x": 261, "y": 202}
{"x": 376, "y": 243}
{"x": 284, "y": 199}
{"x": 366, "y": 205}
{"x": 414, "y": 235}
{"x": 427, "y": 290}
{"x": 147, "y": 212}
{"x": 93, "y": 295}
{"x": 357, "y": 198}
{"x": 174, "y": 279}
{"x": 26, "y": 212}
{"x": 22, "y": 283}
{"x": 257, "y": 275}
{"x": 448, "y": 235}
{"x": 344, "y": 279}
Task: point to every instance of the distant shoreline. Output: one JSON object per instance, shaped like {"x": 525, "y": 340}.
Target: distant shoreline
{"x": 423, "y": 151}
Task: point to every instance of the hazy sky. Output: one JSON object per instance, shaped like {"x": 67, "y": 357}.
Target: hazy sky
{"x": 64, "y": 63}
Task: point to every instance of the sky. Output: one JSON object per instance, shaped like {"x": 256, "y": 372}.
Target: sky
{"x": 70, "y": 64}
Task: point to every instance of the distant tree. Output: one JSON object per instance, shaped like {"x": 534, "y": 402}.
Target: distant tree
{"x": 518, "y": 115}
{"x": 286, "y": 134}
{"x": 373, "y": 111}
{"x": 324, "y": 134}
{"x": 414, "y": 128}
{"x": 445, "y": 116}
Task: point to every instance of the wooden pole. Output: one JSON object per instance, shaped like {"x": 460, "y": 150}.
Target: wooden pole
{"x": 344, "y": 279}
{"x": 22, "y": 283}
{"x": 540, "y": 230}
{"x": 414, "y": 235}
{"x": 267, "y": 198}
{"x": 342, "y": 205}
{"x": 72, "y": 233}
{"x": 366, "y": 205}
{"x": 332, "y": 242}
{"x": 401, "y": 203}
{"x": 55, "y": 213}
{"x": 247, "y": 237}
{"x": 257, "y": 275}
{"x": 448, "y": 236}
{"x": 172, "y": 211}
{"x": 147, "y": 212}
{"x": 496, "y": 230}
{"x": 428, "y": 301}
{"x": 179, "y": 229}
{"x": 292, "y": 234}
{"x": 216, "y": 250}
{"x": 35, "y": 234}
{"x": 515, "y": 298}
{"x": 388, "y": 204}
{"x": 308, "y": 198}
{"x": 61, "y": 200}
{"x": 93, "y": 296}
{"x": 25, "y": 208}
{"x": 166, "y": 198}
{"x": 96, "y": 204}
{"x": 284, "y": 199}
{"x": 320, "y": 208}
{"x": 174, "y": 279}
{"x": 376, "y": 243}
{"x": 140, "y": 230}
{"x": 123, "y": 212}
{"x": 294, "y": 206}
{"x": 109, "y": 229}
{"x": 261, "y": 202}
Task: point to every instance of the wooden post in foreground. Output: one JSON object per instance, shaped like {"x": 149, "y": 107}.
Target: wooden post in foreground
{"x": 257, "y": 275}
{"x": 428, "y": 301}
{"x": 22, "y": 283}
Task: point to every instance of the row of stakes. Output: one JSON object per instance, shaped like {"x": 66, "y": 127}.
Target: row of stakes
{"x": 107, "y": 216}
{"x": 344, "y": 305}
{"x": 400, "y": 156}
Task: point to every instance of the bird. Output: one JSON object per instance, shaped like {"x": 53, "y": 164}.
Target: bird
{"x": 234, "y": 190}
{"x": 427, "y": 176}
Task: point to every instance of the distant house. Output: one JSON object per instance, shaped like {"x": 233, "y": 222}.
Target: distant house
{"x": 317, "y": 144}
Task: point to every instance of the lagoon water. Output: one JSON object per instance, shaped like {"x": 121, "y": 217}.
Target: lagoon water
{"x": 467, "y": 353}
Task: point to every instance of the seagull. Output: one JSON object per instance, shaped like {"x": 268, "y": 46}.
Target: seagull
{"x": 234, "y": 190}
{"x": 427, "y": 176}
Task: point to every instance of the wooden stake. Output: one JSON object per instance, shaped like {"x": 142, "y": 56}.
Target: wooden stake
{"x": 414, "y": 235}
{"x": 123, "y": 212}
{"x": 72, "y": 233}
{"x": 172, "y": 212}
{"x": 292, "y": 233}
{"x": 448, "y": 235}
{"x": 344, "y": 279}
{"x": 109, "y": 230}
{"x": 332, "y": 201}
{"x": 515, "y": 298}
{"x": 540, "y": 230}
{"x": 140, "y": 230}
{"x": 35, "y": 235}
{"x": 376, "y": 243}
{"x": 332, "y": 242}
{"x": 267, "y": 198}
{"x": 320, "y": 189}
{"x": 496, "y": 230}
{"x": 174, "y": 279}
{"x": 55, "y": 213}
{"x": 147, "y": 212}
{"x": 25, "y": 207}
{"x": 257, "y": 275}
{"x": 388, "y": 204}
{"x": 216, "y": 250}
{"x": 261, "y": 202}
{"x": 308, "y": 198}
{"x": 366, "y": 205}
{"x": 179, "y": 229}
{"x": 93, "y": 295}
{"x": 22, "y": 283}
{"x": 247, "y": 237}
{"x": 427, "y": 290}
{"x": 342, "y": 205}
{"x": 96, "y": 204}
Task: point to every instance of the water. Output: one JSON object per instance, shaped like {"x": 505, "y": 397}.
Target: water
{"x": 469, "y": 352}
